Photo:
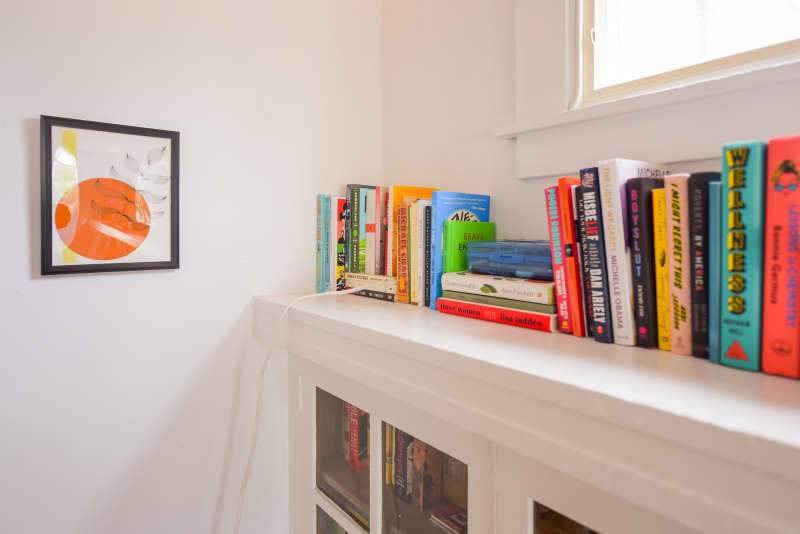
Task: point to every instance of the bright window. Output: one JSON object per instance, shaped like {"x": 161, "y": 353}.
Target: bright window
{"x": 629, "y": 46}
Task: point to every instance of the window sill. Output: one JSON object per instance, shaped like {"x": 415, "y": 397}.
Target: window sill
{"x": 724, "y": 83}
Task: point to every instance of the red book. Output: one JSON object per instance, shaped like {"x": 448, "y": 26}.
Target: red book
{"x": 356, "y": 442}
{"x": 498, "y": 314}
{"x": 780, "y": 346}
{"x": 558, "y": 254}
{"x": 570, "y": 243}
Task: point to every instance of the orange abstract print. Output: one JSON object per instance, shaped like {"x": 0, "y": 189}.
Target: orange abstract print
{"x": 102, "y": 219}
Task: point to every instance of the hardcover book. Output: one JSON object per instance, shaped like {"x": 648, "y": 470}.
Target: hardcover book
{"x": 498, "y": 314}
{"x": 423, "y": 271}
{"x": 396, "y": 195}
{"x": 698, "y": 232}
{"x": 448, "y": 206}
{"x": 596, "y": 257}
{"x": 676, "y": 187}
{"x": 742, "y": 261}
{"x": 402, "y": 257}
{"x": 613, "y": 175}
{"x": 498, "y": 301}
{"x": 640, "y": 228}
{"x": 660, "y": 244}
{"x": 557, "y": 254}
{"x": 455, "y": 236}
{"x": 426, "y": 280}
{"x": 369, "y": 232}
{"x": 714, "y": 252}
{"x": 780, "y": 349}
{"x": 338, "y": 242}
{"x": 568, "y": 236}
{"x": 586, "y": 277}
{"x": 402, "y": 440}
{"x": 319, "y": 273}
{"x": 537, "y": 291}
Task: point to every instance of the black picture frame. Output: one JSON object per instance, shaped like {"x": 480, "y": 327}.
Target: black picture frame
{"x": 46, "y": 126}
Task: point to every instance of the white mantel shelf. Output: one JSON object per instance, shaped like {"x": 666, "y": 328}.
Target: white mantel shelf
{"x": 674, "y": 434}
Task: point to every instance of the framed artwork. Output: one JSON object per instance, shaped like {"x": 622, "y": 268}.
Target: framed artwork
{"x": 109, "y": 197}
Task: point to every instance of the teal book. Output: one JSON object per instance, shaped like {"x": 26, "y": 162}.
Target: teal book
{"x": 455, "y": 236}
{"x": 741, "y": 264}
{"x": 320, "y": 261}
{"x": 713, "y": 270}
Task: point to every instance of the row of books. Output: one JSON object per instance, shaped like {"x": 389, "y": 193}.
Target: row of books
{"x": 699, "y": 264}
{"x": 427, "y": 479}
{"x": 393, "y": 234}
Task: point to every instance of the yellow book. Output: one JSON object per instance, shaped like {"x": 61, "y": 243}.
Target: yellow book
{"x": 662, "y": 268}
{"x": 413, "y": 253}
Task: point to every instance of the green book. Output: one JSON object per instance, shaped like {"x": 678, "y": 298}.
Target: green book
{"x": 499, "y": 301}
{"x": 455, "y": 236}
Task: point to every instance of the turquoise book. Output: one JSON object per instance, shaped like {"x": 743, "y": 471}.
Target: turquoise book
{"x": 713, "y": 271}
{"x": 447, "y": 206}
{"x": 741, "y": 264}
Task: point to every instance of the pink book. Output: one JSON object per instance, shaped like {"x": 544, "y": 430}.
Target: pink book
{"x": 679, "y": 262}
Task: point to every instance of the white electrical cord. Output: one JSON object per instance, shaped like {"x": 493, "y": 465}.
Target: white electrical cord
{"x": 260, "y": 393}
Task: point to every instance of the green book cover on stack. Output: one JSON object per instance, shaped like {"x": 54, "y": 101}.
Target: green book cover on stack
{"x": 455, "y": 236}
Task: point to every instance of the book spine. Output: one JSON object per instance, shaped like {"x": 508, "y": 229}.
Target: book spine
{"x": 660, "y": 243}
{"x": 524, "y": 319}
{"x": 377, "y": 295}
{"x": 427, "y": 280}
{"x": 586, "y": 277}
{"x": 355, "y": 222}
{"x": 401, "y": 442}
{"x": 421, "y": 271}
{"x": 370, "y": 233}
{"x": 570, "y": 247}
{"x": 509, "y": 288}
{"x": 713, "y": 270}
{"x": 377, "y": 231}
{"x": 640, "y": 227}
{"x": 498, "y": 301}
{"x": 698, "y": 228}
{"x": 391, "y": 258}
{"x": 363, "y": 193}
{"x": 742, "y": 195}
{"x": 413, "y": 290}
{"x": 355, "y": 464}
{"x": 619, "y": 280}
{"x": 780, "y": 348}
{"x": 402, "y": 255}
{"x": 557, "y": 253}
{"x": 384, "y": 230}
{"x": 676, "y": 189}
{"x": 596, "y": 257}
{"x": 326, "y": 232}
{"x": 320, "y": 276}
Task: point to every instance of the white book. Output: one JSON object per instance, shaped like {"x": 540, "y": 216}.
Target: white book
{"x": 369, "y": 212}
{"x": 421, "y": 249}
{"x": 538, "y": 291}
{"x": 613, "y": 175}
{"x": 413, "y": 253}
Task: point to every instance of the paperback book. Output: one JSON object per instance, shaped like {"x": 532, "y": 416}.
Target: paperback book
{"x": 498, "y": 314}
{"x": 540, "y": 292}
{"x": 676, "y": 189}
{"x": 571, "y": 263}
{"x": 742, "y": 263}
{"x": 714, "y": 252}
{"x": 660, "y": 243}
{"x": 558, "y": 254}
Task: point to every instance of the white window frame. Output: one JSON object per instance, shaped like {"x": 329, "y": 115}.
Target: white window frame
{"x": 585, "y": 94}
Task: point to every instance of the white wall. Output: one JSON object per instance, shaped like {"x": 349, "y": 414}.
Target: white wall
{"x": 125, "y": 399}
{"x": 448, "y": 81}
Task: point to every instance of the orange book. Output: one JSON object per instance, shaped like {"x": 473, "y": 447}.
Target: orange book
{"x": 396, "y": 195}
{"x": 568, "y": 235}
{"x": 780, "y": 348}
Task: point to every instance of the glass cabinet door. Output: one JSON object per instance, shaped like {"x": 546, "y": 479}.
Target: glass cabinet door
{"x": 342, "y": 470}
{"x": 424, "y": 489}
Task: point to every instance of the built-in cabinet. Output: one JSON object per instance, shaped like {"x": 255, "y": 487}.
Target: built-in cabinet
{"x": 551, "y": 434}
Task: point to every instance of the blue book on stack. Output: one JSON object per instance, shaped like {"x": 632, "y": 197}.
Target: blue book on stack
{"x": 713, "y": 270}
{"x": 446, "y": 206}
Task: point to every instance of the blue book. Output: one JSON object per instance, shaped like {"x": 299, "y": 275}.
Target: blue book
{"x": 741, "y": 266}
{"x": 713, "y": 271}
{"x": 320, "y": 275}
{"x": 446, "y": 206}
{"x": 326, "y": 241}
